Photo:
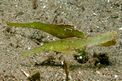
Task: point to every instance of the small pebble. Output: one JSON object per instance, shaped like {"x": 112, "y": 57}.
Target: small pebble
{"x": 98, "y": 72}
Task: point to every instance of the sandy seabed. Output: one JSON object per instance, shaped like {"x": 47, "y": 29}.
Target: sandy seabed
{"x": 89, "y": 16}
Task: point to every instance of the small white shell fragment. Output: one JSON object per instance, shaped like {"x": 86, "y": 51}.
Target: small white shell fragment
{"x": 108, "y": 1}
{"x": 44, "y": 6}
{"x": 29, "y": 48}
{"x": 94, "y": 14}
{"x": 25, "y": 73}
{"x": 120, "y": 28}
{"x": 115, "y": 76}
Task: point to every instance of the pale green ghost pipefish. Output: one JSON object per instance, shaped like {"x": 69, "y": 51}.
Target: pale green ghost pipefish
{"x": 60, "y": 31}
{"x": 69, "y": 45}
